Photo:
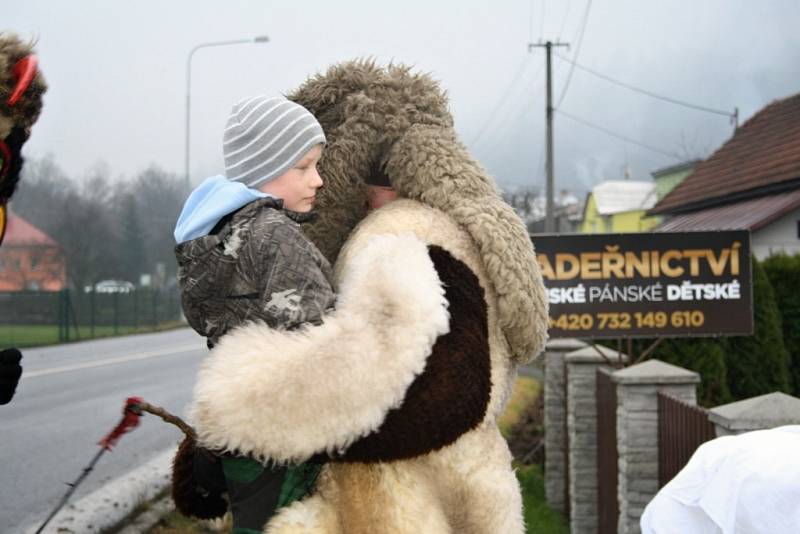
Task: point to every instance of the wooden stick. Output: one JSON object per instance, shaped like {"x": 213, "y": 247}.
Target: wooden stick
{"x": 169, "y": 418}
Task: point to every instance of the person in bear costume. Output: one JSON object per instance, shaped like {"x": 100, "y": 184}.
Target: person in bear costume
{"x": 22, "y": 86}
{"x": 402, "y": 407}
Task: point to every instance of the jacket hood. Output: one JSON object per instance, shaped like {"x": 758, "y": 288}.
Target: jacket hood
{"x": 208, "y": 203}
{"x": 392, "y": 120}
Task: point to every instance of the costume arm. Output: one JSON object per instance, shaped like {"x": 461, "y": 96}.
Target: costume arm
{"x": 287, "y": 395}
{"x": 450, "y": 397}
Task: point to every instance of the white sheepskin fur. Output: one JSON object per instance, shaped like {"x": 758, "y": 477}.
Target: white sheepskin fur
{"x": 287, "y": 395}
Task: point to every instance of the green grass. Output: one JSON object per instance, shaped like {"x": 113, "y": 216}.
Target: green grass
{"x": 525, "y": 391}
{"x": 175, "y": 523}
{"x": 35, "y": 335}
{"x": 539, "y": 518}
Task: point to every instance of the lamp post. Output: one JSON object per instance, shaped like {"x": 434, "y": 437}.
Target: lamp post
{"x": 259, "y": 39}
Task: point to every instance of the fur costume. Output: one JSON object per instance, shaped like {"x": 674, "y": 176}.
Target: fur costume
{"x": 411, "y": 429}
{"x": 22, "y": 86}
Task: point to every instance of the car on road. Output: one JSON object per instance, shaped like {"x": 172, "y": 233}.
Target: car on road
{"x": 111, "y": 286}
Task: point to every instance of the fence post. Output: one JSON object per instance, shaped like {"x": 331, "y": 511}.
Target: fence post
{"x": 65, "y": 304}
{"x": 61, "y": 316}
{"x": 637, "y": 431}
{"x": 155, "y": 308}
{"x": 135, "y": 310}
{"x": 555, "y": 421}
{"x": 582, "y": 366}
{"x": 91, "y": 312}
{"x": 115, "y": 302}
{"x": 757, "y": 413}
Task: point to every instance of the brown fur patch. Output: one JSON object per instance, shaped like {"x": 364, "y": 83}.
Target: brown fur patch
{"x": 450, "y": 397}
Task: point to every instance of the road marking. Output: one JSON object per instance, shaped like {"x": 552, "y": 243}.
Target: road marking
{"x": 111, "y": 361}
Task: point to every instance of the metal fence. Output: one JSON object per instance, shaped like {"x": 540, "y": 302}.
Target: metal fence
{"x": 607, "y": 457}
{"x": 42, "y": 317}
{"x": 682, "y": 428}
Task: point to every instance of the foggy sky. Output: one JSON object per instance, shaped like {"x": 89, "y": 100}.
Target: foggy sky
{"x": 117, "y": 74}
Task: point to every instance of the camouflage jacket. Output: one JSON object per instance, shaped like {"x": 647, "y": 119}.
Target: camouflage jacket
{"x": 256, "y": 265}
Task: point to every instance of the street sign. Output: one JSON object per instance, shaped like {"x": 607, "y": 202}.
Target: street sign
{"x": 647, "y": 284}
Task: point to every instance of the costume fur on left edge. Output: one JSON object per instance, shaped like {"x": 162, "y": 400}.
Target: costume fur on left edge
{"x": 427, "y": 455}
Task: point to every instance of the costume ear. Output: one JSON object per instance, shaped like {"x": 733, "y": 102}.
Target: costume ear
{"x": 431, "y": 165}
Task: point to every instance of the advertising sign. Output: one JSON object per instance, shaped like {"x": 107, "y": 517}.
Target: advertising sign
{"x": 647, "y": 284}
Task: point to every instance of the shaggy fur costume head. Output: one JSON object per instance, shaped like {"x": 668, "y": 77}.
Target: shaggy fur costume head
{"x": 17, "y": 115}
{"x": 392, "y": 120}
{"x": 26, "y": 111}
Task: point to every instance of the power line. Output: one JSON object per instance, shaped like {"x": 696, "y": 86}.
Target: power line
{"x": 564, "y": 20}
{"x": 733, "y": 116}
{"x": 503, "y": 99}
{"x": 577, "y": 52}
{"x": 530, "y": 22}
{"x": 492, "y": 142}
{"x": 618, "y": 136}
{"x": 541, "y": 25}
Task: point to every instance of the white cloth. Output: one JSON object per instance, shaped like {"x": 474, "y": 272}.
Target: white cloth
{"x": 745, "y": 484}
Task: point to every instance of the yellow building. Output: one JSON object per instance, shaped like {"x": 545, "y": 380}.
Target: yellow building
{"x": 617, "y": 206}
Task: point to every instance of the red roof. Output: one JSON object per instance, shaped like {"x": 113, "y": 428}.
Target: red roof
{"x": 764, "y": 153}
{"x": 750, "y": 214}
{"x": 21, "y": 232}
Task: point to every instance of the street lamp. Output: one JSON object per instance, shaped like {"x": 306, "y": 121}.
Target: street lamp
{"x": 259, "y": 39}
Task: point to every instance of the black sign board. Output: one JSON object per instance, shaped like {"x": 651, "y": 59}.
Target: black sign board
{"x": 647, "y": 284}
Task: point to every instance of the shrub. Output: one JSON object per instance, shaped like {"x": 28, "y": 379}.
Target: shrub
{"x": 784, "y": 275}
{"x": 706, "y": 357}
{"x": 759, "y": 364}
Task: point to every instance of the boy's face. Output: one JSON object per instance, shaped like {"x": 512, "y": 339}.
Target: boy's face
{"x": 298, "y": 186}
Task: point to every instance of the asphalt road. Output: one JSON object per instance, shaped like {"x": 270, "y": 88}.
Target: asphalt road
{"x": 72, "y": 395}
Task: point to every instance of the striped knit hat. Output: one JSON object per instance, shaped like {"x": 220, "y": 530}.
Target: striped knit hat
{"x": 265, "y": 137}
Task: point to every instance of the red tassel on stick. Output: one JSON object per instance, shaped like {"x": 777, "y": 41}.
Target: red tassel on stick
{"x": 130, "y": 419}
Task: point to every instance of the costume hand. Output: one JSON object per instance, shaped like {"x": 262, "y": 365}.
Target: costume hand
{"x": 10, "y": 372}
{"x": 198, "y": 482}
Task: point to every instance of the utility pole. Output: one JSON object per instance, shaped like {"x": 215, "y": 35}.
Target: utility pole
{"x": 549, "y": 221}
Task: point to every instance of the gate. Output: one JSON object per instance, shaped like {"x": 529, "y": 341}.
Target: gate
{"x": 682, "y": 428}
{"x": 607, "y": 457}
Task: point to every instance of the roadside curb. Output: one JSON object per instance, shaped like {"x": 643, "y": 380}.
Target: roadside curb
{"x": 109, "y": 505}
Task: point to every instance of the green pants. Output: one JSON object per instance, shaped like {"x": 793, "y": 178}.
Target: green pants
{"x": 257, "y": 492}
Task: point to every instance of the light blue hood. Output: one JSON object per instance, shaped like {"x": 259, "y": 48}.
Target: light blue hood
{"x": 209, "y": 202}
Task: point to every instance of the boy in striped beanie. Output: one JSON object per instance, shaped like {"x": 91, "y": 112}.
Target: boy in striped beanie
{"x": 242, "y": 257}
